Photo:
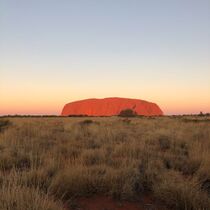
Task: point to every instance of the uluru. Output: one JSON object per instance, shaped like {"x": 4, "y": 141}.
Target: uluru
{"x": 110, "y": 107}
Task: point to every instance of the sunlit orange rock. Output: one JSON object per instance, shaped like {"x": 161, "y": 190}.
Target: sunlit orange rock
{"x": 110, "y": 107}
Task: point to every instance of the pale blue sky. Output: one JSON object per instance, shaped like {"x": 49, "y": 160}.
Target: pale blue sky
{"x": 58, "y": 51}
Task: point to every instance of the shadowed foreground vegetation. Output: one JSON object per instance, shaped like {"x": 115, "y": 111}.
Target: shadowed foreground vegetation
{"x": 45, "y": 163}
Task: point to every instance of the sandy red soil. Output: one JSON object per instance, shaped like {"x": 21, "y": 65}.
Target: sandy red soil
{"x": 107, "y": 203}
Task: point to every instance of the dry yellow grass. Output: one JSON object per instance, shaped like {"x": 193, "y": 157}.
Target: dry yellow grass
{"x": 46, "y": 162}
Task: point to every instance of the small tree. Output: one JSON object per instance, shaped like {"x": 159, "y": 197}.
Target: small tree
{"x": 127, "y": 113}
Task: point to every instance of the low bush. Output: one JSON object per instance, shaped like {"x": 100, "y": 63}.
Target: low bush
{"x": 23, "y": 198}
{"x": 4, "y": 124}
{"x": 127, "y": 113}
{"x": 179, "y": 194}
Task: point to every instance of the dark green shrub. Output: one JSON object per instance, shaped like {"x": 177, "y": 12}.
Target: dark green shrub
{"x": 164, "y": 142}
{"x": 127, "y": 113}
{"x": 4, "y": 124}
{"x": 86, "y": 122}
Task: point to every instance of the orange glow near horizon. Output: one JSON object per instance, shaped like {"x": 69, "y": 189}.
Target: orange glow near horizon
{"x": 33, "y": 95}
{"x": 54, "y": 107}
{"x": 46, "y": 99}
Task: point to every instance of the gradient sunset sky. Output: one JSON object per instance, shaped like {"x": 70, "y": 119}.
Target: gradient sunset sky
{"x": 56, "y": 51}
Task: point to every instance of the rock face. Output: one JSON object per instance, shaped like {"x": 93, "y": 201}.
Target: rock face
{"x": 110, "y": 107}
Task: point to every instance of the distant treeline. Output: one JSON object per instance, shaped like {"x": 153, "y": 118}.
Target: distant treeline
{"x": 192, "y": 115}
{"x": 17, "y": 115}
{"x": 124, "y": 115}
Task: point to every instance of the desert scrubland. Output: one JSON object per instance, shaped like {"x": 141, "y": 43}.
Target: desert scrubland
{"x": 47, "y": 163}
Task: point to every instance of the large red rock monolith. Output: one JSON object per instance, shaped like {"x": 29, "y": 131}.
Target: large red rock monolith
{"x": 110, "y": 107}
